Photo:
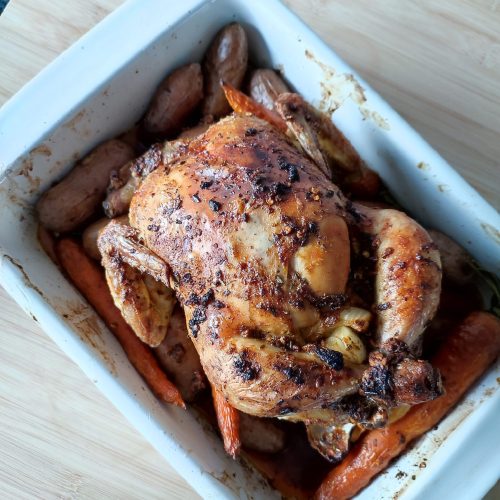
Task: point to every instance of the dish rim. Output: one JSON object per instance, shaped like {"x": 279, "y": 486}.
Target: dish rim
{"x": 40, "y": 130}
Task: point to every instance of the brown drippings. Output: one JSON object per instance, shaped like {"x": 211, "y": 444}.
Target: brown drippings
{"x": 26, "y": 278}
{"x": 337, "y": 87}
{"x": 89, "y": 331}
{"x": 41, "y": 150}
{"x": 71, "y": 123}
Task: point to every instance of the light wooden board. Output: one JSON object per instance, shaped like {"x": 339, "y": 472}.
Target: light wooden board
{"x": 437, "y": 63}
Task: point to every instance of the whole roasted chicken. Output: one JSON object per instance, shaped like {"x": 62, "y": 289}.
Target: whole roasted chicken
{"x": 281, "y": 276}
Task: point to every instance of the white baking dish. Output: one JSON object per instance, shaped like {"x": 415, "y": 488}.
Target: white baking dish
{"x": 100, "y": 87}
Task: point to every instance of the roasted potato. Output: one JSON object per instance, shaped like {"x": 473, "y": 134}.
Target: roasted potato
{"x": 177, "y": 355}
{"x": 265, "y": 87}
{"x": 73, "y": 200}
{"x": 90, "y": 234}
{"x": 261, "y": 434}
{"x": 455, "y": 261}
{"x": 226, "y": 60}
{"x": 174, "y": 100}
{"x": 132, "y": 138}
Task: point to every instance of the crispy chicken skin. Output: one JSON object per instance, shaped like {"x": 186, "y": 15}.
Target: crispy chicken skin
{"x": 253, "y": 238}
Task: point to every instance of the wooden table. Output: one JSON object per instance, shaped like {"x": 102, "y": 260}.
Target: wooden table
{"x": 437, "y": 63}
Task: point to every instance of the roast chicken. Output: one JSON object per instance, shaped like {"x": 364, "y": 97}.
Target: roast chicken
{"x": 248, "y": 232}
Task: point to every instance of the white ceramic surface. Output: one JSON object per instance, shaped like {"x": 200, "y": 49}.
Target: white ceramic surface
{"x": 100, "y": 87}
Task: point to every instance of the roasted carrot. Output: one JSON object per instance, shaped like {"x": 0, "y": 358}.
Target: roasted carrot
{"x": 89, "y": 279}
{"x": 463, "y": 357}
{"x": 241, "y": 103}
{"x": 228, "y": 419}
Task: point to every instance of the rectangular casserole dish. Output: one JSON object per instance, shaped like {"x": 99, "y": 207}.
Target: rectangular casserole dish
{"x": 100, "y": 87}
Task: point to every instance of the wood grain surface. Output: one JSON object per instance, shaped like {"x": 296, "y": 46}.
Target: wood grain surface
{"x": 437, "y": 63}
